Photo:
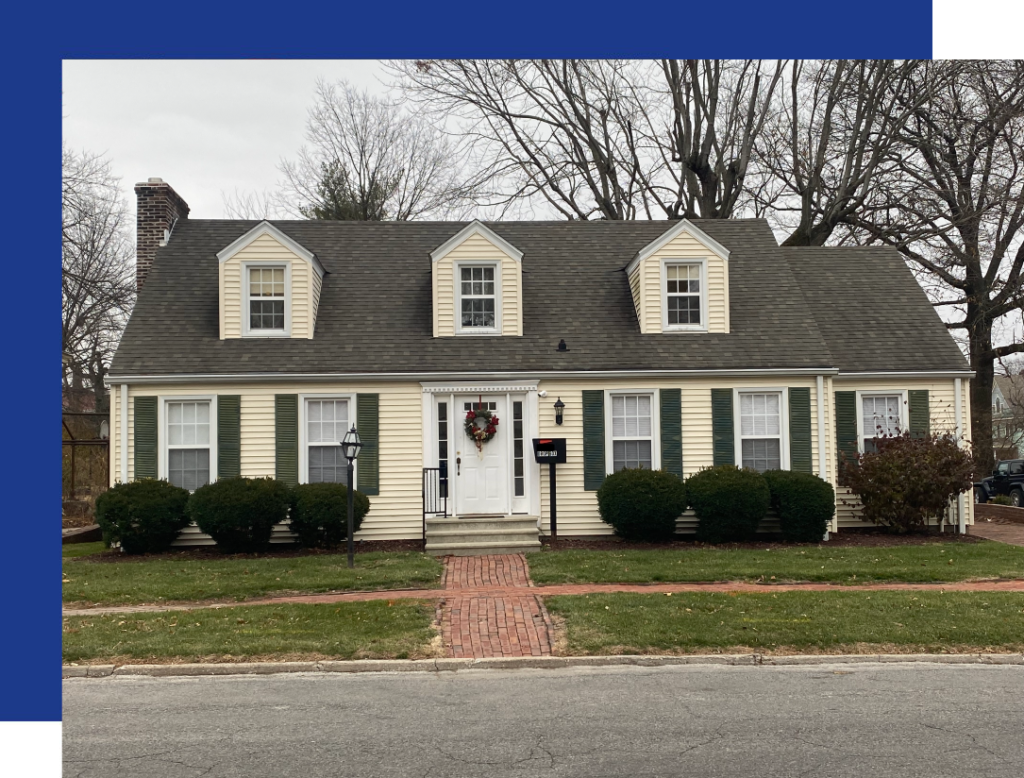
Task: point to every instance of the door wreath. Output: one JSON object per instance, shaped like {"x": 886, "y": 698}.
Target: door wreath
{"x": 481, "y": 425}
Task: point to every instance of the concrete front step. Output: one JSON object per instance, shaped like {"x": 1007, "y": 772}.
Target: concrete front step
{"x": 479, "y": 548}
{"x": 511, "y": 523}
{"x": 437, "y": 537}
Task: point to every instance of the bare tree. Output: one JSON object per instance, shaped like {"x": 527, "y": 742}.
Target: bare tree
{"x": 377, "y": 157}
{"x": 254, "y": 205}
{"x": 955, "y": 208}
{"x": 98, "y": 279}
{"x": 603, "y": 139}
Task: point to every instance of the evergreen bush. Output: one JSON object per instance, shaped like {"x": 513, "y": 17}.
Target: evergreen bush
{"x": 804, "y": 502}
{"x": 319, "y": 513}
{"x": 144, "y": 516}
{"x": 239, "y": 513}
{"x": 729, "y": 503}
{"x": 642, "y": 504}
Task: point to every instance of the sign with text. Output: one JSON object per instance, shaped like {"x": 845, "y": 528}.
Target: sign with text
{"x": 549, "y": 450}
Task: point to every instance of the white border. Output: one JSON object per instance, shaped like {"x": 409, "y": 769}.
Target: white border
{"x": 737, "y": 421}
{"x": 162, "y": 436}
{"x": 287, "y": 331}
{"x": 609, "y": 437}
{"x": 703, "y": 326}
{"x": 498, "y": 303}
{"x": 303, "y": 450}
{"x": 904, "y": 410}
{"x": 266, "y": 228}
{"x": 690, "y": 229}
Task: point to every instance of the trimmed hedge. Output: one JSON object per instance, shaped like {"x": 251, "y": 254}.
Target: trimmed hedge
{"x": 320, "y": 513}
{"x": 642, "y": 504}
{"x": 144, "y": 516}
{"x": 729, "y": 503}
{"x": 804, "y": 502}
{"x": 239, "y": 513}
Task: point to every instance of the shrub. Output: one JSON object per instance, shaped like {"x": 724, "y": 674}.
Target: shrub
{"x": 642, "y": 504}
{"x": 239, "y": 513}
{"x": 144, "y": 516}
{"x": 804, "y": 502}
{"x": 729, "y": 503}
{"x": 320, "y": 513}
{"x": 909, "y": 480}
{"x": 1000, "y": 499}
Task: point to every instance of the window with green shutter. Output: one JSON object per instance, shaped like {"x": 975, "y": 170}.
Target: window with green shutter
{"x": 368, "y": 426}
{"x": 723, "y": 440}
{"x": 919, "y": 412}
{"x": 846, "y": 429}
{"x": 229, "y": 436}
{"x": 671, "y": 431}
{"x": 593, "y": 439}
{"x": 800, "y": 458}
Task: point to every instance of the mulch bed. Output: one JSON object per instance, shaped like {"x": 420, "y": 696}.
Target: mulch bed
{"x": 858, "y": 537}
{"x": 209, "y": 553}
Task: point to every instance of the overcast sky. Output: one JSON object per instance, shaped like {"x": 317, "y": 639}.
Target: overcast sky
{"x": 204, "y": 126}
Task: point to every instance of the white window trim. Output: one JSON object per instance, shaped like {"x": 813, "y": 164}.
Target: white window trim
{"x": 163, "y": 457}
{"x": 904, "y": 410}
{"x": 303, "y": 445}
{"x": 737, "y": 422}
{"x": 609, "y": 438}
{"x": 287, "y": 331}
{"x": 457, "y": 273}
{"x": 703, "y": 326}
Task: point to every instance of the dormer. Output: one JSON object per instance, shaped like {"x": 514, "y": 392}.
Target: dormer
{"x": 269, "y": 286}
{"x": 680, "y": 283}
{"x": 477, "y": 281}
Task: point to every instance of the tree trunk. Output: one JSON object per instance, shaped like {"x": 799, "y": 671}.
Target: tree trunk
{"x": 983, "y": 365}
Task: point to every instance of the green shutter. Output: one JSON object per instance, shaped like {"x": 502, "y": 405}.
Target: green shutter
{"x": 286, "y": 438}
{"x": 368, "y": 426}
{"x": 846, "y": 428}
{"x": 671, "y": 431}
{"x": 145, "y": 437}
{"x": 229, "y": 436}
{"x": 800, "y": 430}
{"x": 918, "y": 412}
{"x": 722, "y": 427}
{"x": 593, "y": 439}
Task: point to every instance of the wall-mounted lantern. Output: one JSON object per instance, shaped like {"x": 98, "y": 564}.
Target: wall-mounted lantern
{"x": 559, "y": 407}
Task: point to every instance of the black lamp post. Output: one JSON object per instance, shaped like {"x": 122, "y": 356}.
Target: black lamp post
{"x": 350, "y": 447}
{"x": 559, "y": 407}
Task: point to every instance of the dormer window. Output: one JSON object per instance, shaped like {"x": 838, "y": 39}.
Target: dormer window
{"x": 267, "y": 299}
{"x": 478, "y": 298}
{"x": 684, "y": 295}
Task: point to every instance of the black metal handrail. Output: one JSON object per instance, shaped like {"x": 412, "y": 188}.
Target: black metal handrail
{"x": 435, "y": 493}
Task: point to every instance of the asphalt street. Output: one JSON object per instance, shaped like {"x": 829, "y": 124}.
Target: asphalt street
{"x": 708, "y": 721}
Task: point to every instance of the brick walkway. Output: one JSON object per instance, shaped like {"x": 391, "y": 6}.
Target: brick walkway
{"x": 998, "y": 529}
{"x": 491, "y": 611}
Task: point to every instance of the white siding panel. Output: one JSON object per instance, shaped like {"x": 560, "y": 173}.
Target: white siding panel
{"x": 684, "y": 247}
{"x": 477, "y": 248}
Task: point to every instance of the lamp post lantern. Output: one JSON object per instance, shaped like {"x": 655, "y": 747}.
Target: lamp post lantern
{"x": 559, "y": 407}
{"x": 350, "y": 446}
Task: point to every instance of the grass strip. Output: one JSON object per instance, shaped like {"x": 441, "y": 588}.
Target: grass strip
{"x": 73, "y": 550}
{"x": 399, "y": 629}
{"x": 132, "y": 582}
{"x": 926, "y": 563}
{"x": 787, "y": 621}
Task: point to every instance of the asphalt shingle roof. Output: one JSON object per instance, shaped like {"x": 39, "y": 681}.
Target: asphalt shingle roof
{"x": 375, "y": 307}
{"x": 871, "y": 310}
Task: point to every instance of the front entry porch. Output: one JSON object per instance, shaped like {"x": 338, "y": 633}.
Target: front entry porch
{"x": 481, "y": 535}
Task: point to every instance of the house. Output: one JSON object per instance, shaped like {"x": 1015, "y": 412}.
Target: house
{"x": 1008, "y": 416}
{"x": 678, "y": 345}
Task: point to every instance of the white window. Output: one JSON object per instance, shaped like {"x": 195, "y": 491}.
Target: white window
{"x": 478, "y": 298}
{"x": 761, "y": 425}
{"x": 684, "y": 295}
{"x": 880, "y": 416}
{"x": 267, "y": 309}
{"x": 327, "y": 421}
{"x": 632, "y": 431}
{"x": 189, "y": 443}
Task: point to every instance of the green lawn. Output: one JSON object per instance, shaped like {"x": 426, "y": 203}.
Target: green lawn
{"x": 137, "y": 581}
{"x": 803, "y": 621}
{"x": 72, "y": 550}
{"x": 383, "y": 629}
{"x": 848, "y": 565}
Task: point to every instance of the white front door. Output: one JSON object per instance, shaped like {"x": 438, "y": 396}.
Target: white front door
{"x": 481, "y": 475}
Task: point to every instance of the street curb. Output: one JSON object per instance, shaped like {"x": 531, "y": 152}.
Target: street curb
{"x": 517, "y": 663}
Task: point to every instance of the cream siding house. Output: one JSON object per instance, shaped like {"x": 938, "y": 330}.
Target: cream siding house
{"x": 255, "y": 346}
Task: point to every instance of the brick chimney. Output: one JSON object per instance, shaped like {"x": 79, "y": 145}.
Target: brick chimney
{"x": 159, "y": 208}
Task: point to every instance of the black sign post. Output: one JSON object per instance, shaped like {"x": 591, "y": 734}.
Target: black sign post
{"x": 551, "y": 451}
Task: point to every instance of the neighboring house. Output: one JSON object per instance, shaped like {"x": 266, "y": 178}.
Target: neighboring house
{"x": 678, "y": 345}
{"x": 1008, "y": 416}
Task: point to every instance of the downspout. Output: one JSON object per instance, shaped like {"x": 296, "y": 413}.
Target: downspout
{"x": 958, "y": 409}
{"x": 821, "y": 432}
{"x": 124, "y": 433}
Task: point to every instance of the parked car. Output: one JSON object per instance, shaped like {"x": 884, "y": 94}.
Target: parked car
{"x": 1007, "y": 478}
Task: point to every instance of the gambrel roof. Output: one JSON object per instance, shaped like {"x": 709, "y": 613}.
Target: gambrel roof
{"x": 789, "y": 309}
